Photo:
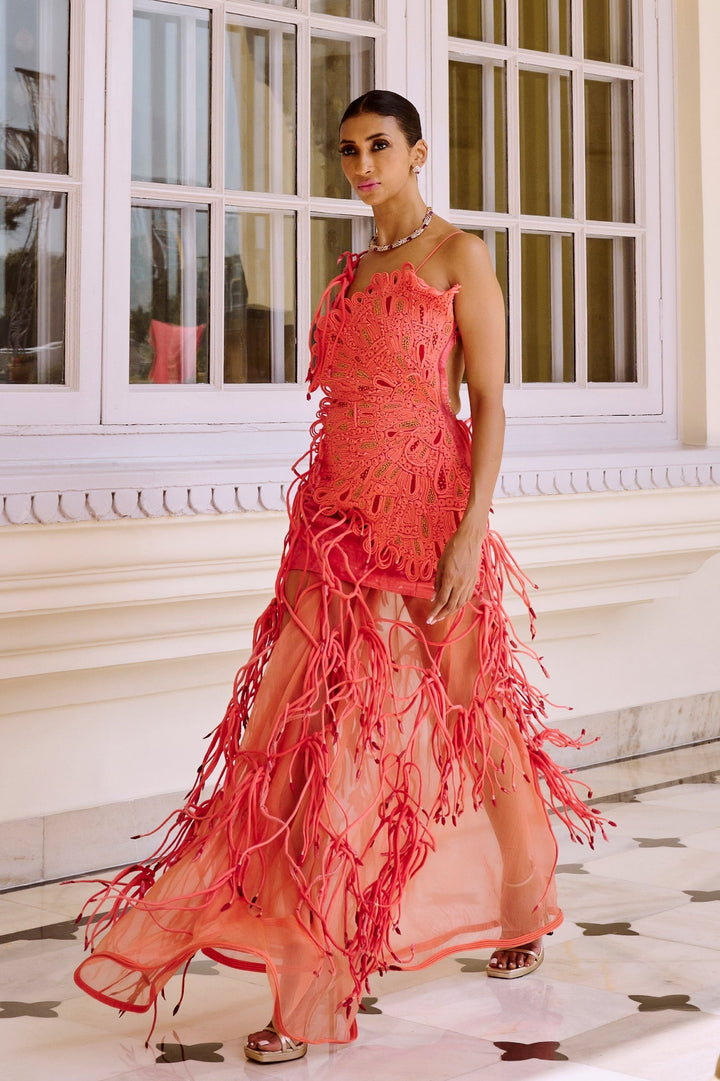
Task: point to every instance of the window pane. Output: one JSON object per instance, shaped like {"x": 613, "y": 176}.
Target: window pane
{"x": 279, "y": 3}
{"x": 609, "y": 149}
{"x": 545, "y": 25}
{"x": 342, "y": 69}
{"x": 611, "y": 310}
{"x": 260, "y": 260}
{"x": 169, "y": 294}
{"x": 329, "y": 238}
{"x": 478, "y": 142}
{"x": 34, "y": 41}
{"x": 608, "y": 30}
{"x": 481, "y": 20}
{"x": 346, "y": 9}
{"x": 171, "y": 94}
{"x": 548, "y": 308}
{"x": 32, "y": 287}
{"x": 546, "y": 143}
{"x": 260, "y": 107}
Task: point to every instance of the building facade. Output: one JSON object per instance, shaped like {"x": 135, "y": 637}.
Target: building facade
{"x": 173, "y": 205}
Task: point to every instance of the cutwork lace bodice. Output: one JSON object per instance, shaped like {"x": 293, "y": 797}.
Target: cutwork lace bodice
{"x": 388, "y": 453}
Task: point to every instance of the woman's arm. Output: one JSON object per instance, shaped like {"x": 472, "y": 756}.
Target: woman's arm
{"x": 480, "y": 315}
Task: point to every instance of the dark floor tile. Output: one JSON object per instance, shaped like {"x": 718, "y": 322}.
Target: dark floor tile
{"x": 546, "y": 1051}
{"x": 28, "y": 1009}
{"x": 653, "y": 1003}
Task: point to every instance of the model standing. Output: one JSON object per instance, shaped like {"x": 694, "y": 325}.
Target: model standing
{"x": 371, "y": 799}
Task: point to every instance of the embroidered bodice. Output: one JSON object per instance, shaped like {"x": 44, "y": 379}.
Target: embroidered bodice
{"x": 388, "y": 453}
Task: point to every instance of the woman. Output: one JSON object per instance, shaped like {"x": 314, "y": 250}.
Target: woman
{"x": 371, "y": 799}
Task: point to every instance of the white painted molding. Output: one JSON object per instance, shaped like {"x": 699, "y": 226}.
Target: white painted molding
{"x": 101, "y": 595}
{"x": 132, "y": 501}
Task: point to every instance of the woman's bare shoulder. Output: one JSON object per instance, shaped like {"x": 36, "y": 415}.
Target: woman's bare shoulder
{"x": 461, "y": 254}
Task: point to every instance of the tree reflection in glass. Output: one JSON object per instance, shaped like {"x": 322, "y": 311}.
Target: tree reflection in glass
{"x": 32, "y": 287}
{"x": 34, "y": 85}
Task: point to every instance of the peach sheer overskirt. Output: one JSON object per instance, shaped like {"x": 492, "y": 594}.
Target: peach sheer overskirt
{"x": 381, "y": 808}
{"x": 377, "y": 793}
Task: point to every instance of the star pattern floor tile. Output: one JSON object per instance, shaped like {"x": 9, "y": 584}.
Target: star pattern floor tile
{"x": 629, "y": 991}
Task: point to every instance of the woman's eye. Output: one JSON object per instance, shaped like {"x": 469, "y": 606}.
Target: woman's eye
{"x": 346, "y": 151}
{"x": 381, "y": 145}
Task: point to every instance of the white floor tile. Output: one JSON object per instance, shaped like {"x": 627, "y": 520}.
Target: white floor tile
{"x": 448, "y": 1022}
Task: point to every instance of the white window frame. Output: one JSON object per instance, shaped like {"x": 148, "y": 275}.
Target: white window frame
{"x": 78, "y": 400}
{"x": 214, "y": 403}
{"x": 651, "y": 401}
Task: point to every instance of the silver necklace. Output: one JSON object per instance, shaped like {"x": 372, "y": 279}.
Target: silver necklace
{"x": 374, "y": 246}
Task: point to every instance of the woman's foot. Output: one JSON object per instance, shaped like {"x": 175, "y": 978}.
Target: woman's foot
{"x": 268, "y": 1045}
{"x": 516, "y": 961}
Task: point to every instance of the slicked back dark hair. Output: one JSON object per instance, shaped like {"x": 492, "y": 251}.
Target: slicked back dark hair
{"x": 388, "y": 103}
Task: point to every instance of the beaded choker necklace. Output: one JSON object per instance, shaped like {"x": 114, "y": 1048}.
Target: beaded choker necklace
{"x": 374, "y": 246}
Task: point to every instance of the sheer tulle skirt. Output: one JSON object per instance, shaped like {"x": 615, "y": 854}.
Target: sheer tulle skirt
{"x": 371, "y": 800}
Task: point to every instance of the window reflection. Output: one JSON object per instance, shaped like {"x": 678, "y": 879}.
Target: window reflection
{"x": 607, "y": 28}
{"x": 611, "y": 309}
{"x": 260, "y": 107}
{"x": 169, "y": 294}
{"x": 609, "y": 149}
{"x": 32, "y": 287}
{"x": 342, "y": 69}
{"x": 260, "y": 287}
{"x": 34, "y": 38}
{"x": 545, "y": 25}
{"x": 546, "y": 143}
{"x": 478, "y": 140}
{"x": 548, "y": 308}
{"x": 345, "y": 9}
{"x": 481, "y": 20}
{"x": 171, "y": 94}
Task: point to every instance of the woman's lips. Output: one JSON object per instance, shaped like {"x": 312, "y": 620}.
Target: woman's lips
{"x": 368, "y": 185}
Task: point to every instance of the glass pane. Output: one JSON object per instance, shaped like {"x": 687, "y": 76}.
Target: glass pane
{"x": 260, "y": 107}
{"x": 279, "y": 3}
{"x": 346, "y": 9}
{"x": 545, "y": 26}
{"x": 171, "y": 94}
{"x": 342, "y": 69}
{"x": 34, "y": 41}
{"x": 548, "y": 308}
{"x": 478, "y": 141}
{"x": 481, "y": 20}
{"x": 329, "y": 238}
{"x": 260, "y": 262}
{"x": 169, "y": 294}
{"x": 609, "y": 162}
{"x": 32, "y": 287}
{"x": 611, "y": 310}
{"x": 546, "y": 174}
{"x": 608, "y": 30}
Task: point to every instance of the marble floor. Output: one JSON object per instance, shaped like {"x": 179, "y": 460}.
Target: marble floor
{"x": 629, "y": 991}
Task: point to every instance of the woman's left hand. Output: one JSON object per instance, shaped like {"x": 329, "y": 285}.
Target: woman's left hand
{"x": 457, "y": 573}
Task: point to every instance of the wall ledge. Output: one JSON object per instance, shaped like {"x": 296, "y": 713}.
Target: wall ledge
{"x": 86, "y": 492}
{"x": 90, "y": 595}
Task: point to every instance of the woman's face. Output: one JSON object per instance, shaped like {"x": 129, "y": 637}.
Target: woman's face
{"x": 376, "y": 158}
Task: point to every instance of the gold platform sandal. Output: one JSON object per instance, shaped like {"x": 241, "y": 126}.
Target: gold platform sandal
{"x": 289, "y": 1049}
{"x": 516, "y": 973}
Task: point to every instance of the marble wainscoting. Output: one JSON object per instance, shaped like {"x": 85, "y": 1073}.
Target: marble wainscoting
{"x": 644, "y": 729}
{"x": 74, "y": 842}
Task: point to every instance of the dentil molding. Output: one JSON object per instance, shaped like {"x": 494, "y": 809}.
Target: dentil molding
{"x": 53, "y": 506}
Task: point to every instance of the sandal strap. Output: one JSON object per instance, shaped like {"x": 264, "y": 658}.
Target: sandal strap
{"x": 286, "y": 1042}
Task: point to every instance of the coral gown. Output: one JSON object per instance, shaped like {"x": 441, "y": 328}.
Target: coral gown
{"x": 372, "y": 798}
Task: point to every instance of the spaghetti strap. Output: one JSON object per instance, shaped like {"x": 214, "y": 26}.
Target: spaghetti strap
{"x": 439, "y": 245}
